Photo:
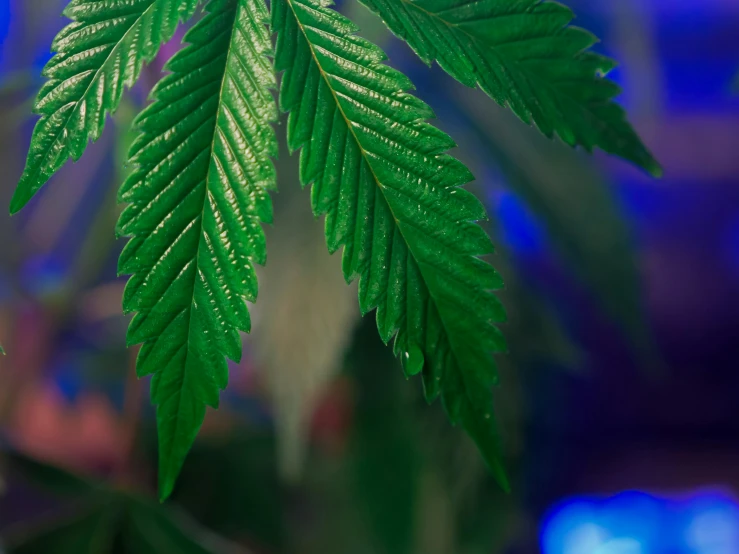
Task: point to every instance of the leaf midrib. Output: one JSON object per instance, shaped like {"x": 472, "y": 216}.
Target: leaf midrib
{"x": 350, "y": 126}
{"x": 201, "y": 217}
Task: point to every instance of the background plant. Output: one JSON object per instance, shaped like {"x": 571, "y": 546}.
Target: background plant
{"x": 392, "y": 199}
{"x": 470, "y": 146}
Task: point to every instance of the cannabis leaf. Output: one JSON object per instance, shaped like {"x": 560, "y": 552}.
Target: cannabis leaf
{"x": 197, "y": 197}
{"x": 394, "y": 201}
{"x": 98, "y": 55}
{"x": 525, "y": 55}
{"x": 579, "y": 213}
{"x": 102, "y": 519}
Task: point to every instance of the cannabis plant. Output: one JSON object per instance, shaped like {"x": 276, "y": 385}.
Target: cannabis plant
{"x": 393, "y": 199}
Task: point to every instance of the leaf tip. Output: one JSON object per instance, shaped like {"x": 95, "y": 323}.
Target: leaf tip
{"x": 656, "y": 170}
{"x": 166, "y": 485}
{"x": 19, "y": 200}
{"x": 501, "y": 476}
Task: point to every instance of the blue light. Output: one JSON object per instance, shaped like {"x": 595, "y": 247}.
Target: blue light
{"x": 521, "y": 231}
{"x": 732, "y": 244}
{"x": 621, "y": 546}
{"x": 4, "y": 19}
{"x": 712, "y": 525}
{"x": 639, "y": 523}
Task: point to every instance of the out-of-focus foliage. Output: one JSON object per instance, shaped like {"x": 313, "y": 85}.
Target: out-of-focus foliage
{"x": 581, "y": 217}
{"x": 408, "y": 483}
{"x": 382, "y": 472}
{"x": 302, "y": 323}
{"x": 102, "y": 520}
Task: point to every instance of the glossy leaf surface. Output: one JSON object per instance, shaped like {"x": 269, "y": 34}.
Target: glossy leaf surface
{"x": 525, "y": 55}
{"x": 198, "y": 195}
{"x": 98, "y": 55}
{"x": 393, "y": 199}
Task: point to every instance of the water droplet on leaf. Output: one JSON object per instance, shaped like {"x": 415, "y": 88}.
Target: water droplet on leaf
{"x": 413, "y": 360}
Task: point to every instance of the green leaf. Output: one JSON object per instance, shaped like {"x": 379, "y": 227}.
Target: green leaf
{"x": 525, "y": 55}
{"x": 580, "y": 214}
{"x": 151, "y": 530}
{"x": 198, "y": 194}
{"x": 98, "y": 55}
{"x": 113, "y": 522}
{"x": 394, "y": 201}
{"x": 385, "y": 457}
{"x": 102, "y": 519}
{"x": 90, "y": 531}
{"x": 231, "y": 486}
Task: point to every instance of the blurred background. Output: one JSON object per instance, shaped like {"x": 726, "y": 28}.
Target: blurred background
{"x": 618, "y": 400}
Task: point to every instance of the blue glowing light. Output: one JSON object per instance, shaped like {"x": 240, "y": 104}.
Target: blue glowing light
{"x": 639, "y": 523}
{"x": 520, "y": 230}
{"x": 732, "y": 244}
{"x": 4, "y": 19}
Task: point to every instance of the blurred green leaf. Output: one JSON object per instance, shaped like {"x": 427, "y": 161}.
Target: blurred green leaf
{"x": 385, "y": 458}
{"x": 535, "y": 330}
{"x": 303, "y": 302}
{"x": 461, "y": 507}
{"x": 116, "y": 524}
{"x": 231, "y": 486}
{"x": 103, "y": 520}
{"x": 90, "y": 531}
{"x": 149, "y": 529}
{"x": 578, "y": 211}
{"x": 409, "y": 483}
